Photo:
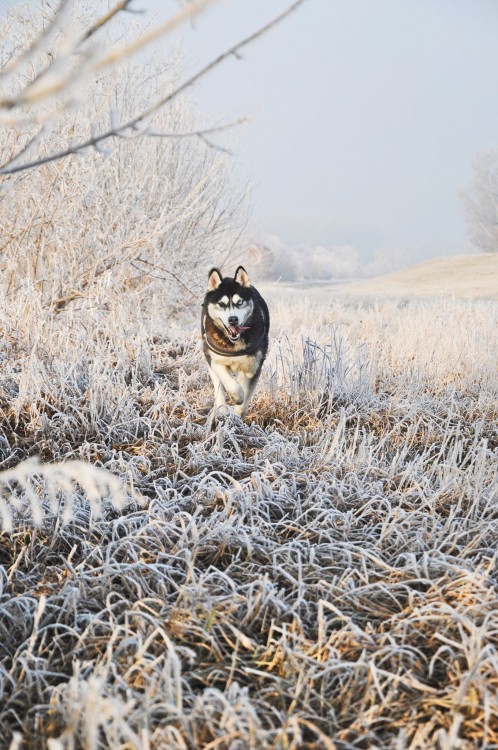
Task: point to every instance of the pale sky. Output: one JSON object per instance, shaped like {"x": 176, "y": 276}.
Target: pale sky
{"x": 366, "y": 114}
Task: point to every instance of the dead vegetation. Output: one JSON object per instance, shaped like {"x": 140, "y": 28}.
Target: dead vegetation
{"x": 321, "y": 576}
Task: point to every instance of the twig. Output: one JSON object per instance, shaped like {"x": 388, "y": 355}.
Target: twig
{"x": 24, "y": 150}
{"x": 100, "y": 22}
{"x": 36, "y": 45}
{"x": 134, "y": 122}
{"x": 170, "y": 273}
{"x": 57, "y": 86}
{"x": 192, "y": 133}
{"x": 60, "y": 302}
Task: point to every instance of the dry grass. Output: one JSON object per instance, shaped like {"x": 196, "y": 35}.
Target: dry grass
{"x": 466, "y": 276}
{"x": 321, "y": 576}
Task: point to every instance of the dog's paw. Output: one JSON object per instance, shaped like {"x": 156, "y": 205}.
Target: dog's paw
{"x": 237, "y": 394}
{"x": 224, "y": 416}
{"x": 220, "y": 402}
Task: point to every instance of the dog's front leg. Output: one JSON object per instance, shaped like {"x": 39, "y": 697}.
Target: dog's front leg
{"x": 219, "y": 395}
{"x": 248, "y": 385}
{"x": 224, "y": 374}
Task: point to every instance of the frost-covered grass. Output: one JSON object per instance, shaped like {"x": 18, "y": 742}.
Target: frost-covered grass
{"x": 323, "y": 575}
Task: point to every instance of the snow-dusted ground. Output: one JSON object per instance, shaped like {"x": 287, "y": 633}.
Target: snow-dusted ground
{"x": 466, "y": 276}
{"x": 461, "y": 276}
{"x": 322, "y": 575}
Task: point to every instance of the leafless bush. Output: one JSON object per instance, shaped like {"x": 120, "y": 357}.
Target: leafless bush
{"x": 272, "y": 260}
{"x": 480, "y": 202}
{"x": 50, "y": 58}
{"x": 88, "y": 230}
{"x": 150, "y": 192}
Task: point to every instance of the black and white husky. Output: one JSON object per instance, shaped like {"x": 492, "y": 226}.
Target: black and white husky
{"x": 235, "y": 325}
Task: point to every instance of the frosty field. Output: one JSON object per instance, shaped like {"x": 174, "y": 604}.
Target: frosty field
{"x": 323, "y": 575}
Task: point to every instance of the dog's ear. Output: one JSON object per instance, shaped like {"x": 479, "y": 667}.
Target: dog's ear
{"x": 241, "y": 277}
{"x": 214, "y": 279}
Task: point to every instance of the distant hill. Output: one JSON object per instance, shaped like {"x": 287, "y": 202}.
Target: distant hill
{"x": 462, "y": 276}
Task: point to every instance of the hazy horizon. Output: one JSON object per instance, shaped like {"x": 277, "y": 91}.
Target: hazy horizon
{"x": 366, "y": 116}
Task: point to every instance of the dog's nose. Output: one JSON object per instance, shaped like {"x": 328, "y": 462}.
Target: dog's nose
{"x": 233, "y": 320}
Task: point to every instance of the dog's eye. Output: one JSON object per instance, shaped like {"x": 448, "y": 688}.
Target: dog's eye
{"x": 222, "y": 305}
{"x": 239, "y": 303}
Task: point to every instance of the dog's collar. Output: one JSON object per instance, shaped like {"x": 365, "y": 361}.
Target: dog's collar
{"x": 236, "y": 353}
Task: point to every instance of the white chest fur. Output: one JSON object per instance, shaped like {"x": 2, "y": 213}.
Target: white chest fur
{"x": 246, "y": 363}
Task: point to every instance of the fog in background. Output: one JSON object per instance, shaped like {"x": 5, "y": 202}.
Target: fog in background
{"x": 366, "y": 117}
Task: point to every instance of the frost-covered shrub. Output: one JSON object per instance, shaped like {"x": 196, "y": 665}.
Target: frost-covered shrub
{"x": 144, "y": 212}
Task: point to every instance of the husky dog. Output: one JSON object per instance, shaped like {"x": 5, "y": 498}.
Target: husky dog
{"x": 235, "y": 325}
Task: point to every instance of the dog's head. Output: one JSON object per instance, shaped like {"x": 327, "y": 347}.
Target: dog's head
{"x": 229, "y": 302}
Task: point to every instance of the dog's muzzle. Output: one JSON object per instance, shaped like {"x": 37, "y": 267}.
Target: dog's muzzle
{"x": 235, "y": 331}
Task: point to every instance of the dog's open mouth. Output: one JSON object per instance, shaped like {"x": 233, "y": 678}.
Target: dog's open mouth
{"x": 235, "y": 331}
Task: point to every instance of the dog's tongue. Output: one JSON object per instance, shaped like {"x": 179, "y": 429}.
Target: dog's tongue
{"x": 235, "y": 330}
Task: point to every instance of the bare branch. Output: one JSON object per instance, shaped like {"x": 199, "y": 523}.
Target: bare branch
{"x": 169, "y": 273}
{"x": 56, "y": 22}
{"x": 46, "y": 85}
{"x": 233, "y": 51}
{"x": 32, "y": 142}
{"x": 189, "y": 11}
{"x": 133, "y": 123}
{"x": 192, "y": 133}
{"x": 39, "y": 42}
{"x": 60, "y": 302}
{"x": 215, "y": 146}
{"x": 104, "y": 20}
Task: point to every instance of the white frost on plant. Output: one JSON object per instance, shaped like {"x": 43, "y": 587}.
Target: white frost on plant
{"x": 34, "y": 484}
